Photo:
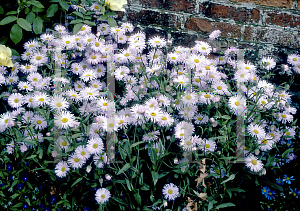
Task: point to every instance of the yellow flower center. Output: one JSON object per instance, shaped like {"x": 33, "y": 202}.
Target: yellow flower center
{"x": 264, "y": 141}
{"x": 188, "y": 97}
{"x": 203, "y": 48}
{"x": 76, "y": 160}
{"x": 41, "y": 99}
{"x": 247, "y": 68}
{"x": 68, "y": 42}
{"x": 283, "y": 116}
{"x": 288, "y": 133}
{"x": 64, "y": 143}
{"x": 38, "y": 58}
{"x": 63, "y": 169}
{"x": 102, "y": 196}
{"x": 263, "y": 102}
{"x": 6, "y": 121}
{"x": 207, "y": 67}
{"x": 207, "y": 145}
{"x": 153, "y": 114}
{"x": 64, "y": 120}
{"x": 126, "y": 54}
{"x": 256, "y": 131}
{"x": 97, "y": 44}
{"x": 16, "y": 100}
{"x": 207, "y": 96}
{"x": 93, "y": 57}
{"x": 197, "y": 80}
{"x": 170, "y": 191}
{"x": 254, "y": 162}
{"x": 237, "y": 103}
{"x": 121, "y": 122}
{"x": 196, "y": 60}
{"x": 39, "y": 122}
{"x": 294, "y": 59}
{"x": 82, "y": 153}
{"x": 110, "y": 125}
{"x": 59, "y": 104}
{"x": 104, "y": 104}
{"x": 188, "y": 143}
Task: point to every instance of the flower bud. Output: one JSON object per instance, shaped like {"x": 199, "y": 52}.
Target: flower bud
{"x": 48, "y": 134}
{"x": 175, "y": 161}
{"x": 108, "y": 177}
{"x": 285, "y": 67}
{"x": 88, "y": 169}
{"x": 216, "y": 99}
{"x": 256, "y": 151}
{"x": 165, "y": 203}
{"x": 212, "y": 120}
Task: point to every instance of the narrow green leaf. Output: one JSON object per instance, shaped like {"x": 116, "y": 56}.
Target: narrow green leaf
{"x": 52, "y": 10}
{"x": 137, "y": 143}
{"x": 1, "y": 10}
{"x": 64, "y": 5}
{"x": 11, "y": 13}
{"x": 35, "y": 3}
{"x": 77, "y": 27}
{"x": 210, "y": 206}
{"x": 3, "y": 40}
{"x": 76, "y": 135}
{"x": 37, "y": 26}
{"x": 30, "y": 17}
{"x": 8, "y": 19}
{"x": 112, "y": 22}
{"x": 231, "y": 177}
{"x": 287, "y": 152}
{"x": 24, "y": 24}
{"x": 124, "y": 168}
{"x": 31, "y": 157}
{"x": 154, "y": 177}
{"x": 77, "y": 181}
{"x": 16, "y": 33}
{"x": 225, "y": 205}
{"x": 76, "y": 21}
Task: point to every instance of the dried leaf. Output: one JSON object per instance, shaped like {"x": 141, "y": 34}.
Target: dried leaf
{"x": 201, "y": 179}
{"x": 203, "y": 196}
{"x": 195, "y": 206}
{"x": 190, "y": 204}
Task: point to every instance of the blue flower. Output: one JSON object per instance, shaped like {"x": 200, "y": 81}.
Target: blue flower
{"x": 24, "y": 178}
{"x": 265, "y": 190}
{"x": 87, "y": 209}
{"x": 289, "y": 143}
{"x": 288, "y": 179}
{"x": 295, "y": 192}
{"x": 9, "y": 167}
{"x": 270, "y": 195}
{"x": 279, "y": 181}
{"x": 25, "y": 206}
{"x": 52, "y": 200}
{"x": 20, "y": 186}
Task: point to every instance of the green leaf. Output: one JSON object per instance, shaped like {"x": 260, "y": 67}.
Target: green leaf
{"x": 3, "y": 40}
{"x": 78, "y": 14}
{"x": 27, "y": 10}
{"x": 31, "y": 157}
{"x": 8, "y": 19}
{"x": 64, "y": 5}
{"x": 52, "y": 10}
{"x": 30, "y": 17}
{"x": 137, "y": 143}
{"x": 76, "y": 21}
{"x": 231, "y": 177}
{"x": 274, "y": 185}
{"x": 124, "y": 168}
{"x": 138, "y": 198}
{"x": 76, "y": 135}
{"x": 210, "y": 205}
{"x": 24, "y": 24}
{"x": 91, "y": 23}
{"x": 36, "y": 9}
{"x": 225, "y": 205}
{"x": 77, "y": 27}
{"x": 35, "y": 3}
{"x": 287, "y": 152}
{"x": 145, "y": 187}
{"x": 112, "y": 22}
{"x": 16, "y": 33}
{"x": 11, "y": 13}
{"x": 1, "y": 10}
{"x": 77, "y": 181}
{"x": 37, "y": 26}
{"x": 154, "y": 176}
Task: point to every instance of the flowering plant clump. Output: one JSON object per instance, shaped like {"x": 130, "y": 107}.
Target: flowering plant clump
{"x": 132, "y": 124}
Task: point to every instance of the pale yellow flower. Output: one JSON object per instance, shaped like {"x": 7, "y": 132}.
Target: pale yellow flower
{"x": 5, "y": 56}
{"x": 116, "y": 5}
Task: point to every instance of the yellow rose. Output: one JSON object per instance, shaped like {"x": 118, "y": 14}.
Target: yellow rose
{"x": 5, "y": 56}
{"x": 116, "y": 5}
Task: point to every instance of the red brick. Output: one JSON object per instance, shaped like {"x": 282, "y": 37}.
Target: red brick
{"x": 273, "y": 3}
{"x": 207, "y": 26}
{"x": 181, "y": 5}
{"x": 267, "y": 35}
{"x": 152, "y": 17}
{"x": 283, "y": 19}
{"x": 237, "y": 14}
{"x": 152, "y": 3}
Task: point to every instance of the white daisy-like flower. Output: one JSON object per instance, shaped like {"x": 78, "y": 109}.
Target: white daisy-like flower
{"x": 47, "y": 37}
{"x": 152, "y": 136}
{"x": 60, "y": 29}
{"x": 207, "y": 145}
{"x": 206, "y": 98}
{"x": 34, "y": 78}
{"x": 16, "y": 100}
{"x": 100, "y": 70}
{"x": 219, "y": 87}
{"x": 154, "y": 114}
{"x": 158, "y": 42}
{"x": 182, "y": 80}
{"x": 253, "y": 163}
{"x": 266, "y": 143}
{"x": 64, "y": 119}
{"x": 82, "y": 152}
{"x": 93, "y": 58}
{"x": 121, "y": 72}
{"x": 127, "y": 26}
{"x": 285, "y": 117}
{"x": 265, "y": 85}
{"x": 41, "y": 99}
{"x": 268, "y": 63}
{"x": 62, "y": 169}
{"x": 103, "y": 29}
{"x": 27, "y": 117}
{"x": 31, "y": 45}
{"x": 102, "y": 195}
{"x": 89, "y": 93}
{"x": 39, "y": 122}
{"x": 100, "y": 160}
{"x": 88, "y": 75}
{"x": 187, "y": 143}
{"x": 11, "y": 80}
{"x": 237, "y": 104}
{"x": 59, "y": 102}
{"x": 256, "y": 131}
{"x": 293, "y": 59}
{"x": 6, "y": 121}
{"x": 202, "y": 47}
{"x": 24, "y": 85}
{"x": 68, "y": 41}
{"x": 95, "y": 146}
{"x": 165, "y": 120}
{"x": 75, "y": 161}
{"x": 215, "y": 34}
{"x": 190, "y": 98}
{"x": 201, "y": 119}
{"x": 170, "y": 191}
{"x": 85, "y": 29}
{"x": 38, "y": 59}
{"x": 63, "y": 143}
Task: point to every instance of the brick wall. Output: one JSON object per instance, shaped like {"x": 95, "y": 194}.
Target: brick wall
{"x": 275, "y": 23}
